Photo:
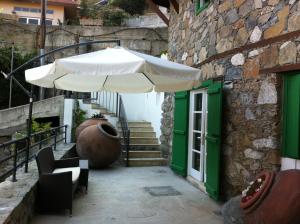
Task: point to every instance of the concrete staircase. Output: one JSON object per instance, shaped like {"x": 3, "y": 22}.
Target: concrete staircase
{"x": 102, "y": 110}
{"x": 144, "y": 146}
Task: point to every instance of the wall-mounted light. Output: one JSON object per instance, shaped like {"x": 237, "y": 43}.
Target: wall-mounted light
{"x": 228, "y": 85}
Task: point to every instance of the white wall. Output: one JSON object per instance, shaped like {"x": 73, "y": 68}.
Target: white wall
{"x": 288, "y": 163}
{"x": 89, "y": 112}
{"x": 144, "y": 107}
{"x": 68, "y": 117}
{"x": 138, "y": 107}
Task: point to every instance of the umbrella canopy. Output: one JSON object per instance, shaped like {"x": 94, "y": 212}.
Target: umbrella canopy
{"x": 114, "y": 69}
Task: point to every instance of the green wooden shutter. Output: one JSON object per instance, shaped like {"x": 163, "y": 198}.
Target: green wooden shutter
{"x": 180, "y": 133}
{"x": 291, "y": 116}
{"x": 213, "y": 139}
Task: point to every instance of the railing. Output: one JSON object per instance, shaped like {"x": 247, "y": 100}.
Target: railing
{"x": 107, "y": 100}
{"x": 22, "y": 150}
{"x": 125, "y": 129}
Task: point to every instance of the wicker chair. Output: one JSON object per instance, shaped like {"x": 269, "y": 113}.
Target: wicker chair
{"x": 58, "y": 180}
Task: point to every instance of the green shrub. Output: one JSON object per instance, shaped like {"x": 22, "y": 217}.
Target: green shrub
{"x": 78, "y": 118}
{"x": 18, "y": 96}
{"x": 112, "y": 16}
{"x": 84, "y": 8}
{"x": 39, "y": 127}
{"x": 133, "y": 7}
{"x": 97, "y": 115}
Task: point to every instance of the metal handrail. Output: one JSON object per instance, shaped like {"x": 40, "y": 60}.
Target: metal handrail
{"x": 125, "y": 129}
{"x": 18, "y": 161}
{"x": 106, "y": 99}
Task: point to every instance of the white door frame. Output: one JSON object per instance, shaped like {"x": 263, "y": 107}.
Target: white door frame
{"x": 201, "y": 174}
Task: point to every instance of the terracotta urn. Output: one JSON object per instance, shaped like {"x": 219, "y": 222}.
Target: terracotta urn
{"x": 278, "y": 202}
{"x": 89, "y": 122}
{"x": 100, "y": 144}
{"x": 249, "y": 203}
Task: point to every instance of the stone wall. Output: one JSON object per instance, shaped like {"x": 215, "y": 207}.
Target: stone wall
{"x": 251, "y": 131}
{"x": 26, "y": 37}
{"x": 245, "y": 43}
{"x": 17, "y": 199}
{"x": 14, "y": 119}
{"x": 167, "y": 123}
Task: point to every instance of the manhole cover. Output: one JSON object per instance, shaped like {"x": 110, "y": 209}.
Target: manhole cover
{"x": 162, "y": 191}
{"x": 160, "y": 171}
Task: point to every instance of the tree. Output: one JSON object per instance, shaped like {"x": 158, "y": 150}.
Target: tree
{"x": 18, "y": 96}
{"x": 112, "y": 16}
{"x": 133, "y": 7}
{"x": 84, "y": 9}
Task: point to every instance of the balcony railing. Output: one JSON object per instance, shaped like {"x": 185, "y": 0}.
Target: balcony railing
{"x": 20, "y": 151}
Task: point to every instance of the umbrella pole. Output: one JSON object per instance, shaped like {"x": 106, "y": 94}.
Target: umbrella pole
{"x": 29, "y": 128}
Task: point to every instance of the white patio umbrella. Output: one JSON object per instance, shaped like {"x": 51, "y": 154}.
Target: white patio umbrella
{"x": 114, "y": 69}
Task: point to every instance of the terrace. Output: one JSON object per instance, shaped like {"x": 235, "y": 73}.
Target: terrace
{"x": 138, "y": 195}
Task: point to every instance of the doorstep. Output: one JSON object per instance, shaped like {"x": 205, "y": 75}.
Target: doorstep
{"x": 197, "y": 184}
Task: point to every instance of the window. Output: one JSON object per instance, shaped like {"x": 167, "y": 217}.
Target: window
{"x": 48, "y": 22}
{"x": 17, "y": 9}
{"x": 32, "y": 10}
{"x": 33, "y": 21}
{"x": 200, "y": 5}
{"x": 49, "y": 11}
{"x": 23, "y": 20}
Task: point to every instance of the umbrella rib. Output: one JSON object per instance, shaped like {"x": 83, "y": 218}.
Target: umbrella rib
{"x": 104, "y": 81}
{"x": 148, "y": 79}
{"x": 57, "y": 79}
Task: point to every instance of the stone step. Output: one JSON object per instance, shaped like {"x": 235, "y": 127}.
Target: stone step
{"x": 109, "y": 113}
{"x": 139, "y": 129}
{"x": 145, "y": 154}
{"x": 132, "y": 124}
{"x": 144, "y": 134}
{"x": 139, "y": 123}
{"x": 102, "y": 110}
{"x": 98, "y": 107}
{"x": 144, "y": 147}
{"x": 147, "y": 162}
{"x": 142, "y": 140}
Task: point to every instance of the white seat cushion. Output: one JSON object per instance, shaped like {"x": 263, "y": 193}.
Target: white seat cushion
{"x": 75, "y": 172}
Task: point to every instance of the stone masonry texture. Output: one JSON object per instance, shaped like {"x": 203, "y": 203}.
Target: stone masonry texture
{"x": 26, "y": 37}
{"x": 251, "y": 132}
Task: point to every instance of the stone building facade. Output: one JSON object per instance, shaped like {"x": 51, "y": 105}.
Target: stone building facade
{"x": 249, "y": 45}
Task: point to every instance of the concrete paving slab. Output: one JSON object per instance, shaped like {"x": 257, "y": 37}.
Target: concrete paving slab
{"x": 118, "y": 196}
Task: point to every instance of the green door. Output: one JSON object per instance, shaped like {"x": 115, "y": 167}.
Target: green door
{"x": 180, "y": 133}
{"x": 213, "y": 139}
{"x": 291, "y": 116}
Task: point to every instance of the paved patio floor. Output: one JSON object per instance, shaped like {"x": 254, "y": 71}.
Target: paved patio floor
{"x": 122, "y": 195}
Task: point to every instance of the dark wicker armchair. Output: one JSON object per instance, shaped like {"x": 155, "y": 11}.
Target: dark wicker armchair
{"x": 58, "y": 180}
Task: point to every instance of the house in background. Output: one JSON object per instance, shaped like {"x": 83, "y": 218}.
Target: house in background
{"x": 29, "y": 11}
{"x": 244, "y": 118}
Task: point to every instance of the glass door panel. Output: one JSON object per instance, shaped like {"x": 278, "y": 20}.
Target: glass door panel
{"x": 196, "y": 161}
{"x": 197, "y": 141}
{"x": 197, "y": 134}
{"x": 197, "y": 121}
